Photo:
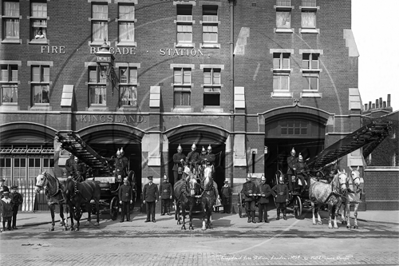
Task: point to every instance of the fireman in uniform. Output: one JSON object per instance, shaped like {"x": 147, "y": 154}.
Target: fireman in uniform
{"x": 280, "y": 192}
{"x": 249, "y": 190}
{"x": 178, "y": 164}
{"x": 291, "y": 161}
{"x": 264, "y": 191}
{"x": 166, "y": 192}
{"x": 302, "y": 169}
{"x": 193, "y": 158}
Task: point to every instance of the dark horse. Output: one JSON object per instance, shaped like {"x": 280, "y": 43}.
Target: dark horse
{"x": 185, "y": 191}
{"x": 79, "y": 195}
{"x": 53, "y": 190}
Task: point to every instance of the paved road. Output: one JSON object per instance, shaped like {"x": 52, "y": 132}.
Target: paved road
{"x": 232, "y": 242}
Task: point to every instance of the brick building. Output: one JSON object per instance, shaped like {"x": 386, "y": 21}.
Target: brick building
{"x": 251, "y": 78}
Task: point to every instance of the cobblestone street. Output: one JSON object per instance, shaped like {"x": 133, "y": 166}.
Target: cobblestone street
{"x": 232, "y": 242}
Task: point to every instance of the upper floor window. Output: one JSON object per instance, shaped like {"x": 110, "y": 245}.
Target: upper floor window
{"x": 97, "y": 86}
{"x": 40, "y": 82}
{"x": 99, "y": 23}
{"x": 9, "y": 84}
{"x": 210, "y": 25}
{"x": 10, "y": 20}
{"x": 283, "y": 16}
{"x": 126, "y": 22}
{"x": 212, "y": 86}
{"x": 184, "y": 24}
{"x": 308, "y": 16}
{"x": 182, "y": 86}
{"x": 281, "y": 71}
{"x": 38, "y": 20}
{"x": 311, "y": 70}
{"x": 128, "y": 86}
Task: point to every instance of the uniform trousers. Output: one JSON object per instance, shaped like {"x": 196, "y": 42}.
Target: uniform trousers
{"x": 150, "y": 208}
{"x": 165, "y": 206}
{"x": 262, "y": 211}
{"x": 125, "y": 210}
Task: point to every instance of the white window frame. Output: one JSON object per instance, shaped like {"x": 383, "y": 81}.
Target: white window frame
{"x": 280, "y": 72}
{"x": 121, "y": 20}
{"x": 213, "y": 22}
{"x": 13, "y": 18}
{"x": 282, "y": 7}
{"x": 98, "y": 82}
{"x": 9, "y": 78}
{"x": 95, "y": 20}
{"x": 185, "y": 85}
{"x": 38, "y": 23}
{"x": 183, "y": 21}
{"x": 309, "y": 6}
{"x": 131, "y": 84}
{"x": 42, "y": 81}
{"x": 311, "y": 72}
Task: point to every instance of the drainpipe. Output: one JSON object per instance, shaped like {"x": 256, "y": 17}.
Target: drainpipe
{"x": 232, "y": 88}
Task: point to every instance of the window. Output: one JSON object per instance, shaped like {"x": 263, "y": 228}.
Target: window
{"x": 308, "y": 16}
{"x": 10, "y": 18}
{"x": 283, "y": 19}
{"x": 9, "y": 84}
{"x": 308, "y": 19}
{"x": 311, "y": 70}
{"x": 40, "y": 84}
{"x": 212, "y": 86}
{"x": 38, "y": 20}
{"x": 182, "y": 86}
{"x": 294, "y": 127}
{"x": 210, "y": 25}
{"x": 126, "y": 24}
{"x": 184, "y": 25}
{"x": 99, "y": 23}
{"x": 281, "y": 71}
{"x": 97, "y": 86}
{"x": 128, "y": 86}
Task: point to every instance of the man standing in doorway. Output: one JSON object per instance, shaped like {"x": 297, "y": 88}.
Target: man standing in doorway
{"x": 178, "y": 164}
{"x": 150, "y": 198}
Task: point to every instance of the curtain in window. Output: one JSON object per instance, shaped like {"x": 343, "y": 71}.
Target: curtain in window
{"x": 280, "y": 83}
{"x": 9, "y": 93}
{"x": 129, "y": 95}
{"x": 12, "y": 28}
{"x": 39, "y": 10}
{"x": 126, "y": 31}
{"x": 126, "y": 12}
{"x": 100, "y": 31}
{"x": 210, "y": 34}
{"x": 184, "y": 33}
{"x": 11, "y": 9}
{"x": 100, "y": 11}
{"x": 283, "y": 20}
{"x": 98, "y": 95}
{"x": 309, "y": 20}
{"x": 41, "y": 94}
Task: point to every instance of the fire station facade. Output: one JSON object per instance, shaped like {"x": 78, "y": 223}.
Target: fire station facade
{"x": 253, "y": 79}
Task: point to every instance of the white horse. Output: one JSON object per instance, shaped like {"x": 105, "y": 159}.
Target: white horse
{"x": 321, "y": 193}
{"x": 353, "y": 197}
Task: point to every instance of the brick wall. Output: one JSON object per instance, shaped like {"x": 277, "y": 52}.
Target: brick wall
{"x": 381, "y": 185}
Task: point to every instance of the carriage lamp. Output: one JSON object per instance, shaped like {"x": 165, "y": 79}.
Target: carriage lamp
{"x": 266, "y": 150}
{"x": 105, "y": 61}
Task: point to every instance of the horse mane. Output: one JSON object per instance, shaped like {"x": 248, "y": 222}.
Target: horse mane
{"x": 53, "y": 181}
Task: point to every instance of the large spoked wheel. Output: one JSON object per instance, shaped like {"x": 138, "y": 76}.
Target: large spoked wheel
{"x": 114, "y": 208}
{"x": 298, "y": 206}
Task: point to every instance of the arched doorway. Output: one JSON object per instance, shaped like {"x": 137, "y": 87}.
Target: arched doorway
{"x": 299, "y": 130}
{"x": 107, "y": 139}
{"x": 202, "y": 136}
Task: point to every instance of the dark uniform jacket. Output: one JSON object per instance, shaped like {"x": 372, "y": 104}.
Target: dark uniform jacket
{"x": 75, "y": 168}
{"x": 125, "y": 193}
{"x": 265, "y": 191}
{"x": 150, "y": 192}
{"x": 6, "y": 207}
{"x": 210, "y": 157}
{"x": 202, "y": 158}
{"x": 193, "y": 157}
{"x": 249, "y": 187}
{"x": 166, "y": 190}
{"x": 226, "y": 193}
{"x": 291, "y": 161}
{"x": 281, "y": 191}
{"x": 176, "y": 160}
{"x": 301, "y": 168}
{"x": 16, "y": 199}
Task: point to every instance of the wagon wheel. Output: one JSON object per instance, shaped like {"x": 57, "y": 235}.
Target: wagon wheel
{"x": 298, "y": 206}
{"x": 114, "y": 208}
{"x": 240, "y": 205}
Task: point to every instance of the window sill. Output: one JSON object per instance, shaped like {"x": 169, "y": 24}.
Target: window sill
{"x": 41, "y": 107}
{"x": 309, "y": 31}
{"x": 212, "y": 110}
{"x": 210, "y": 45}
{"x": 9, "y": 107}
{"x": 305, "y": 70}
{"x": 309, "y": 8}
{"x": 98, "y": 108}
{"x": 281, "y": 94}
{"x": 99, "y": 43}
{"x": 18, "y": 41}
{"x": 310, "y": 94}
{"x": 10, "y": 82}
{"x": 184, "y": 45}
{"x": 284, "y": 7}
{"x": 38, "y": 41}
{"x": 277, "y": 30}
{"x": 181, "y": 109}
{"x": 129, "y": 44}
{"x": 281, "y": 70}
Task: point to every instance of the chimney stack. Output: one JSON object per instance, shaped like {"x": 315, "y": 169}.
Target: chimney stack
{"x": 376, "y": 104}
{"x": 384, "y": 104}
{"x": 380, "y": 104}
{"x": 389, "y": 100}
{"x": 365, "y": 106}
{"x": 373, "y": 106}
{"x": 370, "y": 105}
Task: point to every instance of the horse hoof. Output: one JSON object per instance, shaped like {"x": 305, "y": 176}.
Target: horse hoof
{"x": 96, "y": 224}
{"x": 336, "y": 227}
{"x": 51, "y": 229}
{"x": 348, "y": 227}
{"x": 330, "y": 227}
{"x": 314, "y": 223}
{"x": 356, "y": 227}
{"x": 319, "y": 223}
{"x": 77, "y": 229}
{"x": 191, "y": 228}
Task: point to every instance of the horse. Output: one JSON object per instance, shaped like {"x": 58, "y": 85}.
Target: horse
{"x": 321, "y": 193}
{"x": 353, "y": 197}
{"x": 185, "y": 197}
{"x": 78, "y": 195}
{"x": 53, "y": 190}
{"x": 208, "y": 197}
